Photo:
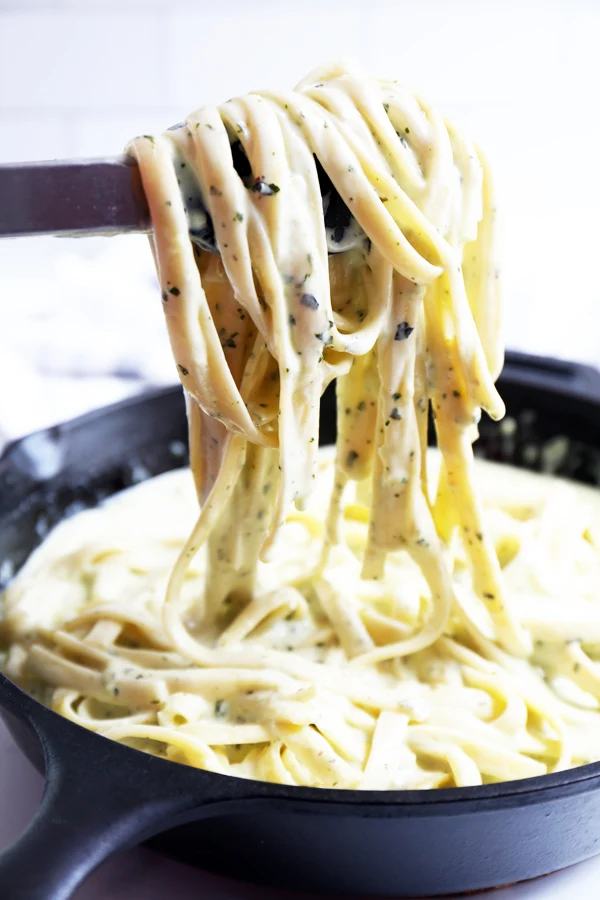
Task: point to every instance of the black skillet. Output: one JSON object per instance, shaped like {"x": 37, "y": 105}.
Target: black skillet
{"x": 101, "y": 797}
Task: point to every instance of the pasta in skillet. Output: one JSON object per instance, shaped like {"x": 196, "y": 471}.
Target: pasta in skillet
{"x": 357, "y": 618}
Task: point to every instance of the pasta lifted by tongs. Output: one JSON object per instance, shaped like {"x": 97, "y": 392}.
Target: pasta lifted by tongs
{"x": 406, "y": 319}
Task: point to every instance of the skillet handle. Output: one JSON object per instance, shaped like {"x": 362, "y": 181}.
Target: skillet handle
{"x": 74, "y": 830}
{"x": 100, "y": 798}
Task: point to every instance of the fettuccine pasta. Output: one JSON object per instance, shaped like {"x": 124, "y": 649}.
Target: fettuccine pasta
{"x": 363, "y": 617}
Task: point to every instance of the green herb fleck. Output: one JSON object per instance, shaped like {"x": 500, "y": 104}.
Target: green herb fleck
{"x": 403, "y": 331}
{"x": 260, "y": 186}
{"x": 230, "y": 342}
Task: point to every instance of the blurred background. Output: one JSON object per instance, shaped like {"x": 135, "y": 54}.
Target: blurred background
{"x": 80, "y": 320}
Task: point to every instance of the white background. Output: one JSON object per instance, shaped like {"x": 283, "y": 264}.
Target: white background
{"x": 79, "y": 77}
{"x": 80, "y": 322}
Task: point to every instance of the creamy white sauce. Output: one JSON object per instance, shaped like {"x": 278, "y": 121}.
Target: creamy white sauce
{"x": 454, "y": 713}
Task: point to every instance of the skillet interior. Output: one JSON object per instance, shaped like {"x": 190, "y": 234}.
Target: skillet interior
{"x": 400, "y": 844}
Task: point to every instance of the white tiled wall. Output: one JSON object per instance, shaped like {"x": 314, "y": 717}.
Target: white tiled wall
{"x": 79, "y": 77}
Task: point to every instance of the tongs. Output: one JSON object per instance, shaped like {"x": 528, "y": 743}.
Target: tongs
{"x": 106, "y": 197}
{"x": 72, "y": 197}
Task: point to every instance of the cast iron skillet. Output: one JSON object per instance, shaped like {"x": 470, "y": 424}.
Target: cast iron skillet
{"x": 101, "y": 797}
